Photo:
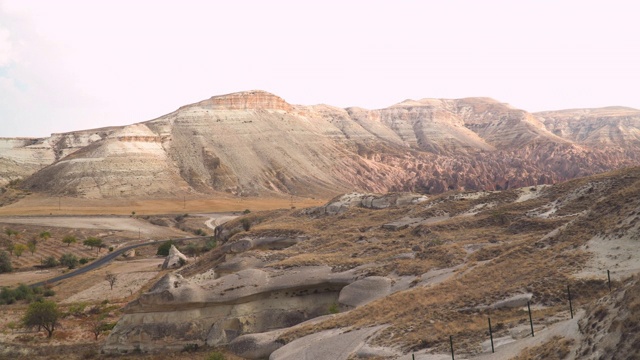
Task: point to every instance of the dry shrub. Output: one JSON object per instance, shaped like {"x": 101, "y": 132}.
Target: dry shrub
{"x": 558, "y": 348}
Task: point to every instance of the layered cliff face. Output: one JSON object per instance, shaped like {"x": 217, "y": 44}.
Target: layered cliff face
{"x": 610, "y": 127}
{"x": 255, "y": 143}
{"x": 21, "y": 157}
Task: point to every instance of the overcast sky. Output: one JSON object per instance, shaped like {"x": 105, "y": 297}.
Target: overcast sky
{"x": 72, "y": 65}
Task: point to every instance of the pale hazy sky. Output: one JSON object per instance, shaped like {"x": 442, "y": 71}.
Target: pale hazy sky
{"x": 71, "y": 65}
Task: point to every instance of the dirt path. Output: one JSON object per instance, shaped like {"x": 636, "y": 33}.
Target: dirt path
{"x": 216, "y": 220}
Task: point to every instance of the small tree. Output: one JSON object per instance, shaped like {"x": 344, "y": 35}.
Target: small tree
{"x": 93, "y": 242}
{"x": 111, "y": 279}
{"x": 99, "y": 326}
{"x": 10, "y": 247}
{"x": 18, "y": 249}
{"x": 31, "y": 245}
{"x": 45, "y": 235}
{"x": 69, "y": 260}
{"x": 5, "y": 262}
{"x": 69, "y": 239}
{"x": 10, "y": 232}
{"x": 43, "y": 314}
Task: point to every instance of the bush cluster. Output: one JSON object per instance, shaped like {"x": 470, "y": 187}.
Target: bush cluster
{"x": 69, "y": 260}
{"x": 5, "y": 262}
{"x": 163, "y": 249}
{"x": 23, "y": 292}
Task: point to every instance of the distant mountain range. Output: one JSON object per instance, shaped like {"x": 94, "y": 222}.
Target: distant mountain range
{"x": 255, "y": 144}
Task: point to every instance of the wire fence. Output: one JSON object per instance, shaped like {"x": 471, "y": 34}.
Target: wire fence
{"x": 569, "y": 300}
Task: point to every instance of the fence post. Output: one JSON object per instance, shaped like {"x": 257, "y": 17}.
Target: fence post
{"x": 491, "y": 336}
{"x": 609, "y": 279}
{"x": 413, "y": 357}
{"x": 530, "y": 319}
{"x": 451, "y": 342}
{"x": 570, "y": 305}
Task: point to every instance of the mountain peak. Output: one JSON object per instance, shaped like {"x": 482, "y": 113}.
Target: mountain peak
{"x": 247, "y": 100}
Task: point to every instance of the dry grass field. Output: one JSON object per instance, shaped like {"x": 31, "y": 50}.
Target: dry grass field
{"x": 38, "y": 204}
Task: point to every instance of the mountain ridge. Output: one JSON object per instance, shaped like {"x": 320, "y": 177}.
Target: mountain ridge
{"x": 254, "y": 143}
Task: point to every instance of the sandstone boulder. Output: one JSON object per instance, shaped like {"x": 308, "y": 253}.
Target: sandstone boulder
{"x": 337, "y": 344}
{"x": 256, "y": 346}
{"x": 175, "y": 259}
{"x": 364, "y": 291}
{"x": 515, "y": 301}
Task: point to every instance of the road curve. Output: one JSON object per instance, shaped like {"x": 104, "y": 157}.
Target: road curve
{"x": 107, "y": 259}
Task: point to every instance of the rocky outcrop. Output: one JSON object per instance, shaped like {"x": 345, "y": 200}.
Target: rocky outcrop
{"x": 515, "y": 301}
{"x": 178, "y": 311}
{"x": 247, "y": 100}
{"x": 175, "y": 259}
{"x": 369, "y": 201}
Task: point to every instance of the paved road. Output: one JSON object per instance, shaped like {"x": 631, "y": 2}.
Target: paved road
{"x": 107, "y": 259}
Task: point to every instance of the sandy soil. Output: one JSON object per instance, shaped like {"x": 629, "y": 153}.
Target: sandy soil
{"x": 618, "y": 255}
{"x": 144, "y": 228}
{"x": 27, "y": 277}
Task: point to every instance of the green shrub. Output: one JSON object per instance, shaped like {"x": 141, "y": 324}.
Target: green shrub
{"x": 77, "y": 309}
{"x": 216, "y": 355}
{"x": 246, "y": 224}
{"x": 210, "y": 244}
{"x": 5, "y": 262}
{"x": 334, "y": 309}
{"x": 50, "y": 262}
{"x": 180, "y": 218}
{"x": 69, "y": 260}
{"x": 246, "y": 211}
{"x": 83, "y": 261}
{"x": 48, "y": 293}
{"x": 163, "y": 250}
{"x": 190, "y": 348}
{"x": 7, "y": 296}
{"x": 22, "y": 292}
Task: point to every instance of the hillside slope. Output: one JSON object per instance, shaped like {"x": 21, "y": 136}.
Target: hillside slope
{"x": 400, "y": 273}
